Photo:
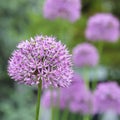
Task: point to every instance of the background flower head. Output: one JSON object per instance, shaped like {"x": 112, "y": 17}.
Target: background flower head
{"x": 103, "y": 26}
{"x": 41, "y": 58}
{"x": 66, "y": 9}
{"x": 85, "y": 54}
{"x": 81, "y": 101}
{"x": 76, "y": 98}
{"x": 106, "y": 97}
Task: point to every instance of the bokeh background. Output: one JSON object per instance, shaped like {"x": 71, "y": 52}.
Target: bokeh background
{"x": 22, "y": 19}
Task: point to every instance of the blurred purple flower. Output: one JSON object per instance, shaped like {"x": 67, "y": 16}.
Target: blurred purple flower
{"x": 85, "y": 54}
{"x": 77, "y": 98}
{"x": 103, "y": 26}
{"x": 80, "y": 100}
{"x": 49, "y": 98}
{"x": 66, "y": 9}
{"x": 106, "y": 98}
{"x": 41, "y": 58}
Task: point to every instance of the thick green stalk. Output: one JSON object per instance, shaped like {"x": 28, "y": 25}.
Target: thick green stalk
{"x": 55, "y": 110}
{"x": 38, "y": 100}
{"x": 100, "y": 48}
{"x": 58, "y": 105}
{"x": 52, "y": 103}
{"x": 65, "y": 115}
{"x": 52, "y": 114}
{"x": 94, "y": 82}
{"x": 86, "y": 117}
{"x": 86, "y": 78}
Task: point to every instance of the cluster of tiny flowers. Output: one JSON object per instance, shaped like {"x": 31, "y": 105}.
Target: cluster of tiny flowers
{"x": 103, "y": 26}
{"x": 77, "y": 98}
{"x": 66, "y": 9}
{"x": 85, "y": 54}
{"x": 41, "y": 58}
{"x": 106, "y": 98}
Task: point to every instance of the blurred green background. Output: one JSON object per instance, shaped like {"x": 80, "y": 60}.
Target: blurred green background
{"x": 22, "y": 19}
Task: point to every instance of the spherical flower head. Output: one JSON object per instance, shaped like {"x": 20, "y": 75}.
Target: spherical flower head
{"x": 85, "y": 54}
{"x": 66, "y": 9}
{"x": 106, "y": 97}
{"x": 76, "y": 97}
{"x": 79, "y": 97}
{"x": 103, "y": 26}
{"x": 41, "y": 59}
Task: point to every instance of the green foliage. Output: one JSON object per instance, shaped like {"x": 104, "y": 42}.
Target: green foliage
{"x": 20, "y": 105}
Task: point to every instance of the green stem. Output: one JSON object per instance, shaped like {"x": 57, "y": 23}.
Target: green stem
{"x": 57, "y": 113}
{"x": 72, "y": 117}
{"x": 58, "y": 104}
{"x": 100, "y": 48}
{"x": 86, "y": 117}
{"x": 52, "y": 103}
{"x": 65, "y": 114}
{"x": 94, "y": 82}
{"x": 86, "y": 76}
{"x": 52, "y": 117}
{"x": 38, "y": 100}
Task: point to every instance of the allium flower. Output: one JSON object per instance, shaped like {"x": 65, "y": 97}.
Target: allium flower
{"x": 82, "y": 104}
{"x": 106, "y": 98}
{"x": 77, "y": 98}
{"x": 66, "y": 9}
{"x": 80, "y": 98}
{"x": 103, "y": 26}
{"x": 41, "y": 58}
{"x": 85, "y": 54}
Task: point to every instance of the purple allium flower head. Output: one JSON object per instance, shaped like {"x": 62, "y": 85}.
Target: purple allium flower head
{"x": 85, "y": 54}
{"x": 77, "y": 98}
{"x": 41, "y": 58}
{"x": 103, "y": 26}
{"x": 66, "y": 9}
{"x": 106, "y": 97}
